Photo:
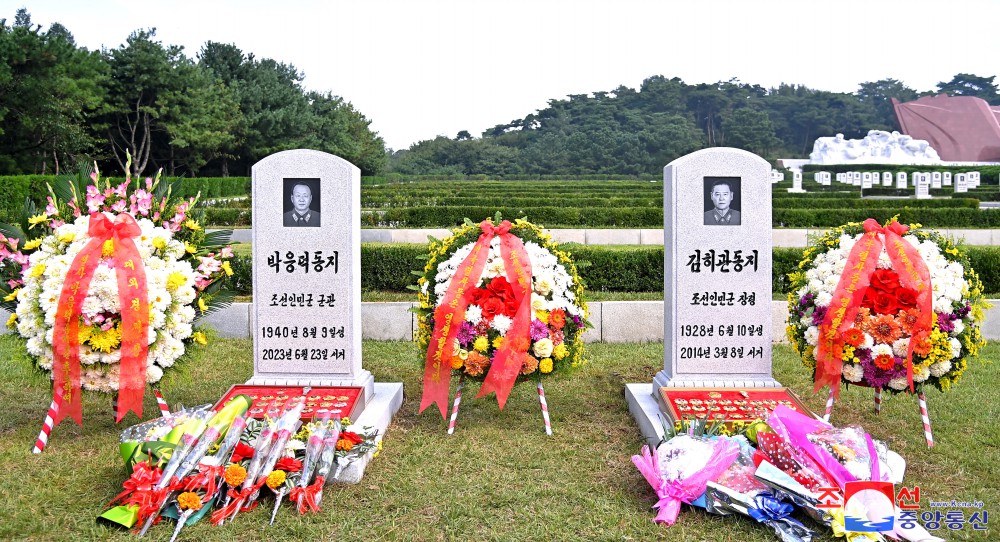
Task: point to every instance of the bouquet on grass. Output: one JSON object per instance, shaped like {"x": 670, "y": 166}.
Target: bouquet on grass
{"x": 105, "y": 284}
{"x": 498, "y": 301}
{"x": 891, "y": 307}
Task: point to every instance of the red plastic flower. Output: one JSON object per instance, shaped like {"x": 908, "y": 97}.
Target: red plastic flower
{"x": 906, "y": 298}
{"x": 879, "y": 301}
{"x": 242, "y": 452}
{"x": 885, "y": 280}
{"x": 288, "y": 464}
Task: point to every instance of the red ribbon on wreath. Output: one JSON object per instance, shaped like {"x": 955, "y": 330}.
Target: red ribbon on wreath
{"x": 112, "y": 239}
{"x": 849, "y": 294}
{"x": 508, "y": 360}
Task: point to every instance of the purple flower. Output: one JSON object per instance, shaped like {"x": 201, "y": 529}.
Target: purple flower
{"x": 946, "y": 322}
{"x": 539, "y": 330}
{"x": 819, "y": 315}
{"x": 576, "y": 320}
{"x": 466, "y": 333}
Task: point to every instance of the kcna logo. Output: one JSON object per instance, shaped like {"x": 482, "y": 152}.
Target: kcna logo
{"x": 869, "y": 506}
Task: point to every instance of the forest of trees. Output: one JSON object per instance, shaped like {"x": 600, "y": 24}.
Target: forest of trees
{"x": 62, "y": 106}
{"x": 629, "y": 131}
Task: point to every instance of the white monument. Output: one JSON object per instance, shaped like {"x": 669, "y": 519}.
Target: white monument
{"x": 878, "y": 147}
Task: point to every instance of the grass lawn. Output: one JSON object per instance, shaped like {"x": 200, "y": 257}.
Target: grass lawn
{"x": 498, "y": 478}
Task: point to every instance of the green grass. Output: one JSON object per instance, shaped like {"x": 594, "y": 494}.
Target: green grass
{"x": 498, "y": 478}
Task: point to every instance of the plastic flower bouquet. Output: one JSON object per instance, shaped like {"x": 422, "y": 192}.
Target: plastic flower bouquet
{"x": 885, "y": 307}
{"x": 105, "y": 284}
{"x": 498, "y": 301}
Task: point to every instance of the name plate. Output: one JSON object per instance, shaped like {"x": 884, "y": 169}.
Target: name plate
{"x": 731, "y": 404}
{"x": 339, "y": 401}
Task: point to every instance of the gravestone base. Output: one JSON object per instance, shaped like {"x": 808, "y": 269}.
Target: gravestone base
{"x": 363, "y": 379}
{"x": 663, "y": 379}
{"x": 796, "y": 191}
{"x": 646, "y": 411}
{"x": 385, "y": 401}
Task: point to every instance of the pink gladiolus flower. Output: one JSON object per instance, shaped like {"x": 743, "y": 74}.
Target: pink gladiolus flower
{"x": 14, "y": 283}
{"x": 76, "y": 210}
{"x": 50, "y": 209}
{"x": 56, "y": 223}
{"x": 19, "y": 258}
{"x": 121, "y": 189}
{"x": 149, "y": 183}
{"x": 201, "y": 284}
{"x": 94, "y": 199}
{"x": 156, "y": 216}
{"x": 12, "y": 242}
{"x": 227, "y": 252}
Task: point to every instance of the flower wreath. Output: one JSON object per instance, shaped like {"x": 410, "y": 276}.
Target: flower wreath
{"x": 558, "y": 313}
{"x": 95, "y": 252}
{"x": 873, "y": 348}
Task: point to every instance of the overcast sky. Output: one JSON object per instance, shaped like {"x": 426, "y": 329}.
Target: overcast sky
{"x": 418, "y": 69}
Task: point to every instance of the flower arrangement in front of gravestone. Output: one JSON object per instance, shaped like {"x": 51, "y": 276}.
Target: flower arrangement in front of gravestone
{"x": 105, "y": 283}
{"x": 892, "y": 307}
{"x": 499, "y": 302}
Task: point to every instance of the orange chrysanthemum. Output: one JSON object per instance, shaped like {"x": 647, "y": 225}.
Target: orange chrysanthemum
{"x": 344, "y": 445}
{"x": 884, "y": 362}
{"x": 862, "y": 317}
{"x": 189, "y": 500}
{"x": 922, "y": 343}
{"x": 907, "y": 319}
{"x": 884, "y": 329}
{"x": 854, "y": 337}
{"x": 275, "y": 479}
{"x": 476, "y": 364}
{"x": 529, "y": 364}
{"x": 235, "y": 475}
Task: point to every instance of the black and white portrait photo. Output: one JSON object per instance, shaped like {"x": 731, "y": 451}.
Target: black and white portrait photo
{"x": 301, "y": 206}
{"x": 722, "y": 201}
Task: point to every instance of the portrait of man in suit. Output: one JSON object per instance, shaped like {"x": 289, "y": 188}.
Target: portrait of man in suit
{"x": 304, "y": 212}
{"x": 721, "y": 195}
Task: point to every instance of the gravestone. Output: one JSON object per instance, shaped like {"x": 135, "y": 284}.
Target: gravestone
{"x": 972, "y": 179}
{"x": 306, "y": 317}
{"x": 827, "y": 178}
{"x": 887, "y": 178}
{"x": 936, "y": 179}
{"x": 922, "y": 184}
{"x": 946, "y": 178}
{"x": 856, "y": 178}
{"x": 961, "y": 184}
{"x": 901, "y": 180}
{"x": 777, "y": 176}
{"x": 840, "y": 178}
{"x": 796, "y": 183}
{"x": 866, "y": 180}
{"x": 717, "y": 291}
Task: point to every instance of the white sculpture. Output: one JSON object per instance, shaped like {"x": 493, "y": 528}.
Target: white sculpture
{"x": 878, "y": 147}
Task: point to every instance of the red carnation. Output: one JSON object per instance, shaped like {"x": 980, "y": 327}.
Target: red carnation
{"x": 288, "y": 464}
{"x": 242, "y": 452}
{"x": 351, "y": 436}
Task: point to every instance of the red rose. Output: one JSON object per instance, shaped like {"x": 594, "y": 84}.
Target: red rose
{"x": 242, "y": 452}
{"x": 478, "y": 296}
{"x": 906, "y": 298}
{"x": 492, "y": 307}
{"x": 880, "y": 302}
{"x": 499, "y": 287}
{"x": 288, "y": 464}
{"x": 885, "y": 280}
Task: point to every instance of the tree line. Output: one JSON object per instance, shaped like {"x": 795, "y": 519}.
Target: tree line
{"x": 635, "y": 131}
{"x": 63, "y": 106}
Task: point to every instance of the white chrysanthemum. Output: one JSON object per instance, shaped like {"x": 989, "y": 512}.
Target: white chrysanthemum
{"x": 940, "y": 368}
{"x": 543, "y": 283}
{"x": 153, "y": 374}
{"x": 869, "y": 342}
{"x": 899, "y": 383}
{"x": 538, "y": 302}
{"x": 501, "y": 323}
{"x": 853, "y": 372}
{"x": 921, "y": 373}
{"x": 473, "y": 314}
{"x": 956, "y": 347}
{"x": 543, "y": 348}
{"x": 881, "y": 350}
{"x": 959, "y": 328}
{"x": 824, "y": 298}
{"x": 812, "y": 335}
{"x": 900, "y": 347}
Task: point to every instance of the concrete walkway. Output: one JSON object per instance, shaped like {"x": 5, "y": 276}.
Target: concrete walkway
{"x": 779, "y": 237}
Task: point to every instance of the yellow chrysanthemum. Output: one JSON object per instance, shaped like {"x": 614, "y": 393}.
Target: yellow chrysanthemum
{"x": 175, "y": 280}
{"x": 542, "y": 315}
{"x": 202, "y": 305}
{"x": 560, "y": 351}
{"x": 457, "y": 362}
{"x": 199, "y": 338}
{"x": 275, "y": 479}
{"x": 67, "y": 237}
{"x": 227, "y": 269}
{"x": 108, "y": 248}
{"x": 106, "y": 341}
{"x": 37, "y": 219}
{"x": 159, "y": 243}
{"x": 481, "y": 343}
{"x": 37, "y": 270}
{"x": 189, "y": 248}
{"x": 12, "y": 296}
{"x": 545, "y": 365}
{"x": 33, "y": 244}
{"x": 192, "y": 225}
{"x": 498, "y": 342}
{"x": 12, "y": 321}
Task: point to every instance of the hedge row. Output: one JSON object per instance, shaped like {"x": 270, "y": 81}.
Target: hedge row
{"x": 575, "y": 200}
{"x": 843, "y": 202}
{"x": 388, "y": 267}
{"x": 934, "y": 218}
{"x": 988, "y": 173}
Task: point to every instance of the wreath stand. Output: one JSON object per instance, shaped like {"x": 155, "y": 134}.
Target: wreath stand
{"x": 921, "y": 399}
{"x": 43, "y": 436}
{"x": 458, "y": 401}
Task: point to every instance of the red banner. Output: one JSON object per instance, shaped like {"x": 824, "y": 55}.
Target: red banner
{"x": 451, "y": 312}
{"x": 847, "y": 297}
{"x": 133, "y": 298}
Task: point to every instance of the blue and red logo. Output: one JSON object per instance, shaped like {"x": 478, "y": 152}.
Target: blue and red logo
{"x": 869, "y": 507}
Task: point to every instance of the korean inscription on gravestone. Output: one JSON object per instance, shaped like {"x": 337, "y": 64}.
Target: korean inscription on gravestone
{"x": 901, "y": 180}
{"x": 717, "y": 310}
{"x": 306, "y": 273}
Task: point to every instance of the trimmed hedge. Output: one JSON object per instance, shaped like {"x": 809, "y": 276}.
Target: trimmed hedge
{"x": 445, "y": 216}
{"x": 389, "y": 267}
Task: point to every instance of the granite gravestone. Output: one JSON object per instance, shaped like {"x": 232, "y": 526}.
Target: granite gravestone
{"x": 936, "y": 179}
{"x": 827, "y": 178}
{"x": 307, "y": 271}
{"x": 922, "y": 183}
{"x": 840, "y": 178}
{"x": 961, "y": 184}
{"x": 717, "y": 310}
{"x": 886, "y": 178}
{"x": 946, "y": 178}
{"x": 856, "y": 178}
{"x": 866, "y": 180}
{"x": 796, "y": 182}
{"x": 972, "y": 179}
{"x": 901, "y": 180}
